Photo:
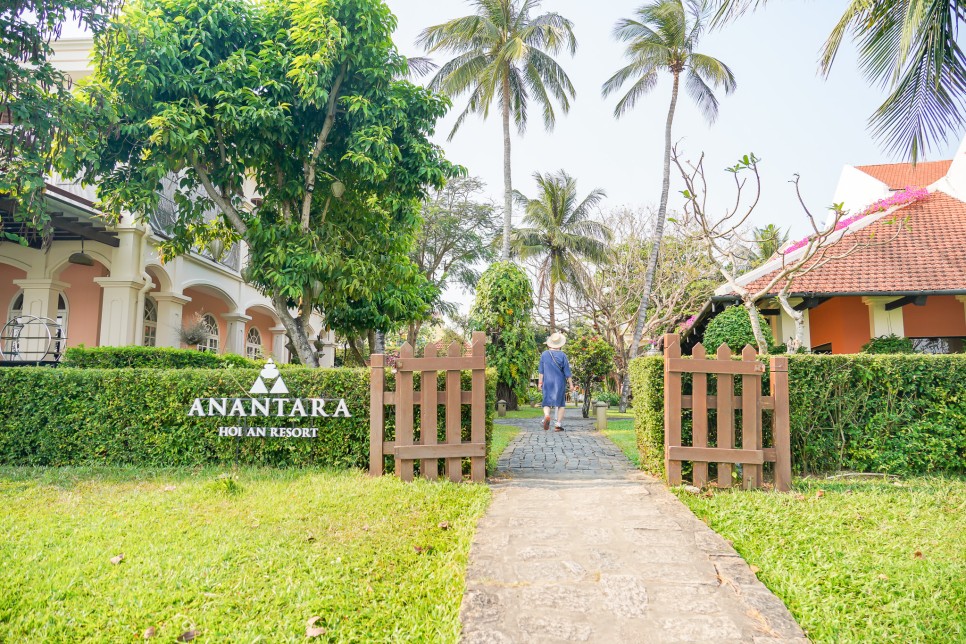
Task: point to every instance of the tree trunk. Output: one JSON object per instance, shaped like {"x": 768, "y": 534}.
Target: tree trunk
{"x": 553, "y": 314}
{"x": 507, "y": 179}
{"x": 799, "y": 318}
{"x": 756, "y": 328}
{"x": 379, "y": 342}
{"x": 585, "y": 408}
{"x": 504, "y": 392}
{"x": 655, "y": 250}
{"x": 297, "y": 334}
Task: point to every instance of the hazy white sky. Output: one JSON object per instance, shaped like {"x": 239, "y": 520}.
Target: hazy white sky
{"x": 782, "y": 110}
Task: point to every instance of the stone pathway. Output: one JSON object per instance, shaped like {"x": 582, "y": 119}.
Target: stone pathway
{"x": 579, "y": 546}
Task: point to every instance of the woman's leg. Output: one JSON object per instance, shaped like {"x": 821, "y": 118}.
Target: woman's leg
{"x": 546, "y": 418}
{"x": 560, "y": 415}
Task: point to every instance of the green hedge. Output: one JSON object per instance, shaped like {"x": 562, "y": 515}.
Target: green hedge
{"x": 151, "y": 357}
{"x": 901, "y": 414}
{"x": 66, "y": 416}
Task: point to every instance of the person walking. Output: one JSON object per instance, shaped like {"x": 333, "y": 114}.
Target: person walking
{"x": 555, "y": 378}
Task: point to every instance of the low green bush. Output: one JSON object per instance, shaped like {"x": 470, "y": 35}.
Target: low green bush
{"x": 68, "y": 416}
{"x": 900, "y": 414}
{"x": 151, "y": 358}
{"x": 733, "y": 327}
{"x": 889, "y": 344}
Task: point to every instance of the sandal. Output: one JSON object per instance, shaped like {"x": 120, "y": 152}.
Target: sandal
{"x": 546, "y": 423}
{"x": 558, "y": 428}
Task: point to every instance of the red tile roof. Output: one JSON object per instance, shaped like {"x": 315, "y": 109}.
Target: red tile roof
{"x": 905, "y": 175}
{"x": 928, "y": 255}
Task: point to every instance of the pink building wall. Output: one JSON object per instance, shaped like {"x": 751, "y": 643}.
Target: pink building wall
{"x": 263, "y": 323}
{"x": 8, "y": 290}
{"x": 84, "y": 297}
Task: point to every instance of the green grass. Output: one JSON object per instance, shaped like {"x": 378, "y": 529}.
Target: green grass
{"x": 621, "y": 432}
{"x": 856, "y": 560}
{"x": 502, "y": 435}
{"x": 244, "y": 557}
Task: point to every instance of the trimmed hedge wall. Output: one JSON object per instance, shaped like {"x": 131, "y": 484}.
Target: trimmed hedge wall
{"x": 65, "y": 416}
{"x": 151, "y": 358}
{"x": 901, "y": 414}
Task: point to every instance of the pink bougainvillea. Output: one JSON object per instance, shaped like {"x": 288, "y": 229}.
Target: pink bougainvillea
{"x": 898, "y": 198}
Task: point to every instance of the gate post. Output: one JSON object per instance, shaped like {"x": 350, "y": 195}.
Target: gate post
{"x": 781, "y": 431}
{"x": 377, "y": 412}
{"x": 672, "y": 408}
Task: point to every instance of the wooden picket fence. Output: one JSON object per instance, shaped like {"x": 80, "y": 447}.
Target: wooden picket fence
{"x": 428, "y": 450}
{"x": 751, "y": 454}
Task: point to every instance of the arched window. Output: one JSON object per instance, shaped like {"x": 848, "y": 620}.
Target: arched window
{"x": 253, "y": 344}
{"x": 150, "y": 322}
{"x": 210, "y": 343}
{"x": 16, "y": 311}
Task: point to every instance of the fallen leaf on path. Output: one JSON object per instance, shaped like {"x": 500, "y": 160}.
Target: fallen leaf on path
{"x": 754, "y": 569}
{"x": 148, "y": 632}
{"x": 117, "y": 559}
{"x": 187, "y": 636}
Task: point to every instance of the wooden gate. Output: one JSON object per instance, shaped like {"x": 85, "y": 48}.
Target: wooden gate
{"x": 750, "y": 454}
{"x": 429, "y": 450}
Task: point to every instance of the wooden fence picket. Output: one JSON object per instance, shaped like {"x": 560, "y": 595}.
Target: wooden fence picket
{"x": 429, "y": 419}
{"x": 699, "y": 417}
{"x": 726, "y": 415}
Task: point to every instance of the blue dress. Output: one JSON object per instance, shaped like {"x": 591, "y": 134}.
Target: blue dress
{"x": 555, "y": 368}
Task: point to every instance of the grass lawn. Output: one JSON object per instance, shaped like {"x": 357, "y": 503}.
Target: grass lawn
{"x": 621, "y": 432}
{"x": 245, "y": 557}
{"x": 502, "y": 435}
{"x": 856, "y": 560}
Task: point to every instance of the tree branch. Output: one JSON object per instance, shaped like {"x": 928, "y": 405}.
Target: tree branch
{"x": 320, "y": 145}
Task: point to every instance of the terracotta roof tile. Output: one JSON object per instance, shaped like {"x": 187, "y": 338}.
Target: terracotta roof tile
{"x": 928, "y": 255}
{"x": 904, "y": 175}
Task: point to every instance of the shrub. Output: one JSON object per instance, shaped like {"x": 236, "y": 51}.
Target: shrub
{"x": 612, "y": 398}
{"x": 733, "y": 327}
{"x": 151, "y": 358}
{"x": 900, "y": 414}
{"x": 69, "y": 416}
{"x": 888, "y": 344}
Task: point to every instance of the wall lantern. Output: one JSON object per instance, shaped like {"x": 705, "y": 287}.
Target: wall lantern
{"x": 81, "y": 258}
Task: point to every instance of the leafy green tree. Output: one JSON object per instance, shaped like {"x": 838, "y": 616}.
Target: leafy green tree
{"x": 504, "y": 53}
{"x": 301, "y": 101}
{"x": 559, "y": 233}
{"x": 504, "y": 311}
{"x": 909, "y": 47}
{"x": 35, "y": 97}
{"x": 456, "y": 234}
{"x": 663, "y": 38}
{"x": 767, "y": 242}
{"x": 591, "y": 360}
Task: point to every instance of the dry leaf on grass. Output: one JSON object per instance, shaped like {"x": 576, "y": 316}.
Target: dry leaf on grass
{"x": 918, "y": 554}
{"x": 117, "y": 559}
{"x": 187, "y": 636}
{"x": 169, "y": 488}
{"x": 444, "y": 525}
{"x": 883, "y": 577}
{"x": 148, "y": 632}
{"x": 820, "y": 494}
{"x": 754, "y": 569}
{"x": 311, "y": 630}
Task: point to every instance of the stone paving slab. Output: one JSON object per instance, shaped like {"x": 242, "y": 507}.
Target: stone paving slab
{"x": 585, "y": 548}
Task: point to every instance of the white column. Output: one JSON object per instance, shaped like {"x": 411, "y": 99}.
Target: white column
{"x": 279, "y": 338}
{"x": 882, "y": 322}
{"x": 170, "y": 306}
{"x": 235, "y": 342}
{"x": 119, "y": 311}
{"x": 40, "y": 299}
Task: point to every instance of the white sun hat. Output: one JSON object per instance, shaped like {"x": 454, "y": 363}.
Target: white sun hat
{"x": 556, "y": 340}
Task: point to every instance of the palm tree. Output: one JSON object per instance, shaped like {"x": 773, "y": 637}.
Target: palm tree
{"x": 908, "y": 46}
{"x": 768, "y": 241}
{"x": 662, "y": 38}
{"x": 559, "y": 232}
{"x": 504, "y": 54}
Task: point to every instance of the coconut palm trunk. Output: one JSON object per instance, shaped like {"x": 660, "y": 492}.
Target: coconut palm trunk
{"x": 507, "y": 177}
{"x": 656, "y": 249}
{"x": 552, "y": 307}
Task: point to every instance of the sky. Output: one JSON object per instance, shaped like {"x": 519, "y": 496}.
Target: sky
{"x": 782, "y": 110}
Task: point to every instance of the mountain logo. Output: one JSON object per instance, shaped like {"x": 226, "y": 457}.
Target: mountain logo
{"x": 269, "y": 373}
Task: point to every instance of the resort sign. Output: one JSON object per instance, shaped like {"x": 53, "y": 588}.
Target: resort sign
{"x": 274, "y": 401}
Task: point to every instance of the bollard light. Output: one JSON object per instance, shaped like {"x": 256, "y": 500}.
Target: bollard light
{"x": 601, "y": 408}
{"x": 501, "y": 408}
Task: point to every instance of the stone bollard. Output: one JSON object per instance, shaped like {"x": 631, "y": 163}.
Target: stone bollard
{"x": 601, "y": 408}
{"x": 501, "y": 408}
